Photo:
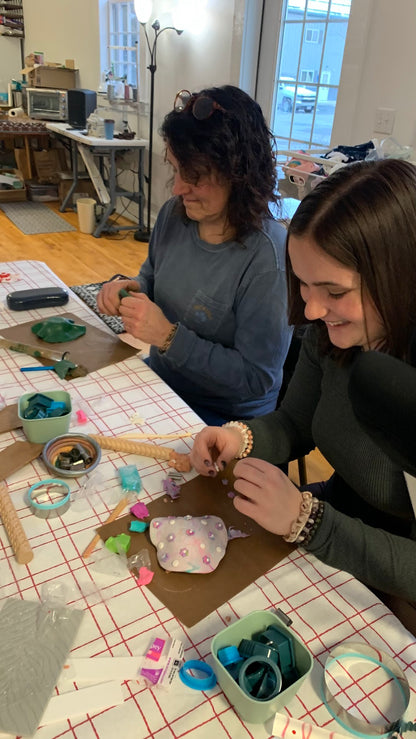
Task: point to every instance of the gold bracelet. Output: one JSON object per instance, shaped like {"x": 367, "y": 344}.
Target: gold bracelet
{"x": 171, "y": 335}
{"x": 246, "y": 440}
{"x": 304, "y": 512}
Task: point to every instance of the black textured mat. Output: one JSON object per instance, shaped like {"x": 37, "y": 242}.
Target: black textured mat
{"x": 88, "y": 294}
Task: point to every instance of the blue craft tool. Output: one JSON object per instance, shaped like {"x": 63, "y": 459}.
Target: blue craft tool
{"x": 36, "y": 369}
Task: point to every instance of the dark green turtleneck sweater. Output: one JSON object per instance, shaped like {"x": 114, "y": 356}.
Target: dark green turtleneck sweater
{"x": 368, "y": 527}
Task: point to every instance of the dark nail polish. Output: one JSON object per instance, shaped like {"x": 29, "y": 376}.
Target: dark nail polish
{"x": 211, "y": 472}
{"x": 207, "y": 463}
{"x": 223, "y": 464}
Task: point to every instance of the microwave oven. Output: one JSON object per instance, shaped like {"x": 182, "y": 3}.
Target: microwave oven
{"x": 45, "y": 104}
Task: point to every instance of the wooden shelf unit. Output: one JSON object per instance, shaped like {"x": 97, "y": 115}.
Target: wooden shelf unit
{"x": 11, "y": 18}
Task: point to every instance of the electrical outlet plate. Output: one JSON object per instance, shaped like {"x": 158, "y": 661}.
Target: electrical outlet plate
{"x": 384, "y": 120}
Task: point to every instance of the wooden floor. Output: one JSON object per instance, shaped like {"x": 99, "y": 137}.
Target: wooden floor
{"x": 75, "y": 257}
{"x": 79, "y": 258}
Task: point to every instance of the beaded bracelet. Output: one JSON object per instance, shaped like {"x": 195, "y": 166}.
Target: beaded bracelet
{"x": 171, "y": 335}
{"x": 310, "y": 516}
{"x": 304, "y": 512}
{"x": 247, "y": 438}
{"x": 312, "y": 524}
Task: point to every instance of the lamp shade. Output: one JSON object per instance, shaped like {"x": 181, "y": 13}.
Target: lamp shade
{"x": 143, "y": 9}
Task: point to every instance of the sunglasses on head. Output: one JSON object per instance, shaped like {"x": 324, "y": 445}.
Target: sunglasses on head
{"x": 201, "y": 106}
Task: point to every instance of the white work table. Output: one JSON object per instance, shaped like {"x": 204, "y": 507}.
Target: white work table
{"x": 92, "y": 147}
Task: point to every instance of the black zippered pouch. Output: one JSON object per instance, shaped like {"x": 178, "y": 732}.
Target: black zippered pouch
{"x": 41, "y": 297}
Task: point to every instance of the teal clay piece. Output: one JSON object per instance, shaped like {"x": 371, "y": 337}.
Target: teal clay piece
{"x": 138, "y": 526}
{"x": 58, "y": 329}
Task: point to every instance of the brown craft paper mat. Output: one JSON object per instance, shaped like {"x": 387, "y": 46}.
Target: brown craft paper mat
{"x": 9, "y": 418}
{"x": 94, "y": 350}
{"x": 192, "y": 597}
{"x": 17, "y": 455}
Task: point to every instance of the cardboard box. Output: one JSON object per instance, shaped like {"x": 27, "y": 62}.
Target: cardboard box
{"x": 21, "y": 163}
{"x": 59, "y": 78}
{"x": 84, "y": 188}
{"x": 47, "y": 164}
{"x": 14, "y": 195}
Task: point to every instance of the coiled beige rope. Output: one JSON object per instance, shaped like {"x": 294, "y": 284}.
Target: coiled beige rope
{"x": 179, "y": 461}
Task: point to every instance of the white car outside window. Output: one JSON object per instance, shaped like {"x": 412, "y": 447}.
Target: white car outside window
{"x": 305, "y": 98}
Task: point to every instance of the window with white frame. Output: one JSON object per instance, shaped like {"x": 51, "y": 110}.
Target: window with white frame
{"x": 307, "y": 75}
{"x": 312, "y": 35}
{"x": 308, "y": 68}
{"x": 123, "y": 34}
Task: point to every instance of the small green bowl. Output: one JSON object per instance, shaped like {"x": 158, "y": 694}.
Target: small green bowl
{"x": 40, "y": 430}
{"x": 250, "y": 709}
{"x": 64, "y": 443}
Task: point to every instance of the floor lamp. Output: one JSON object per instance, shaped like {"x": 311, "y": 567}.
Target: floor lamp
{"x": 144, "y": 234}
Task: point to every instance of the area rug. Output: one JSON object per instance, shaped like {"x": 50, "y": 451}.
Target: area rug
{"x": 88, "y": 294}
{"x": 35, "y": 218}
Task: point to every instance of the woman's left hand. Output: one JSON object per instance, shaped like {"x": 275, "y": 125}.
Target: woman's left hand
{"x": 265, "y": 494}
{"x": 144, "y": 319}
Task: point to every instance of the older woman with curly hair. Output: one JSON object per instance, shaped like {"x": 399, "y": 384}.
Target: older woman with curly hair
{"x": 211, "y": 298}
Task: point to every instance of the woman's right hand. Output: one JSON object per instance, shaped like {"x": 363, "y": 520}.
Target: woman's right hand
{"x": 108, "y": 300}
{"x": 214, "y": 447}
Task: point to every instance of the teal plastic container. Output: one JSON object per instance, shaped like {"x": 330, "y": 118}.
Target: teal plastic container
{"x": 40, "y": 430}
{"x": 250, "y": 709}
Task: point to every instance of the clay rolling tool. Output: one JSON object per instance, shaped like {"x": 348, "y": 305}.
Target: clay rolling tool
{"x": 13, "y": 458}
{"x": 63, "y": 367}
{"x": 14, "y": 528}
{"x": 179, "y": 461}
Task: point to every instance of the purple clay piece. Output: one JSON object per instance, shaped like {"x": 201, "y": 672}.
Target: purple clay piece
{"x": 231, "y": 494}
{"x": 234, "y": 533}
{"x": 171, "y": 488}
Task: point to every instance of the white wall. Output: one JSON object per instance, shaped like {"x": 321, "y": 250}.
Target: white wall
{"x": 65, "y": 29}
{"x": 191, "y": 61}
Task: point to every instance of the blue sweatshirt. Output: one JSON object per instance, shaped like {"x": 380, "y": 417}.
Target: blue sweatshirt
{"x": 230, "y": 301}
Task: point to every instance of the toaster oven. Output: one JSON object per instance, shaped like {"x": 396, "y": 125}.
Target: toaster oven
{"x": 45, "y": 104}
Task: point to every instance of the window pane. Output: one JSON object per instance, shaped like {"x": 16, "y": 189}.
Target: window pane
{"x": 340, "y": 8}
{"x": 312, "y": 52}
{"x": 334, "y": 51}
{"x": 291, "y": 41}
{"x": 324, "y": 118}
{"x": 296, "y": 5}
{"x": 123, "y": 32}
{"x": 317, "y": 8}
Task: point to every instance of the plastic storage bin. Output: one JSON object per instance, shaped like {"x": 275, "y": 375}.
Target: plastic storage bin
{"x": 40, "y": 430}
{"x": 250, "y": 709}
